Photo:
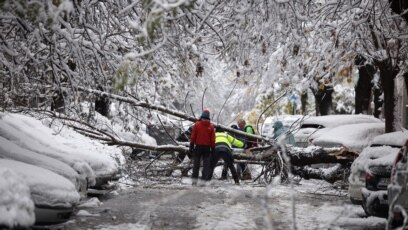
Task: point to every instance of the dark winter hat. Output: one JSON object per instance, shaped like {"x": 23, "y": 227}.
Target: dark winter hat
{"x": 205, "y": 114}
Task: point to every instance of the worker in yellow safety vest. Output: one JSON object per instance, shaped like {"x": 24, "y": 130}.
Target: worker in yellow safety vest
{"x": 223, "y": 145}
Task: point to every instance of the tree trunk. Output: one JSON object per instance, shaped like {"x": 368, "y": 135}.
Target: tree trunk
{"x": 303, "y": 100}
{"x": 324, "y": 102}
{"x": 364, "y": 86}
{"x": 331, "y": 175}
{"x": 387, "y": 75}
{"x": 102, "y": 104}
{"x": 58, "y": 103}
{"x": 378, "y": 101}
{"x": 405, "y": 75}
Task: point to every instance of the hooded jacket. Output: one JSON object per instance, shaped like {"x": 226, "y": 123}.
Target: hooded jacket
{"x": 279, "y": 129}
{"x": 203, "y": 133}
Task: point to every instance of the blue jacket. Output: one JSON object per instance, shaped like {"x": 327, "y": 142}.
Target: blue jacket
{"x": 279, "y": 129}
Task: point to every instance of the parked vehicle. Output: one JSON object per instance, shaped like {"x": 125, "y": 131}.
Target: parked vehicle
{"x": 397, "y": 190}
{"x": 375, "y": 194}
{"x": 317, "y": 125}
{"x": 10, "y": 150}
{"x": 353, "y": 137}
{"x": 31, "y": 134}
{"x": 13, "y": 130}
{"x": 53, "y": 195}
{"x": 381, "y": 151}
{"x": 16, "y": 205}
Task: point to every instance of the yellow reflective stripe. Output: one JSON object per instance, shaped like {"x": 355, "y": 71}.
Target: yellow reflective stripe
{"x": 235, "y": 142}
{"x": 222, "y": 138}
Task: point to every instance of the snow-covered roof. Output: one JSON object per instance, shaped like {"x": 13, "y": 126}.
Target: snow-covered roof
{"x": 47, "y": 188}
{"x": 395, "y": 139}
{"x": 342, "y": 119}
{"x": 355, "y": 137}
{"x": 12, "y": 151}
{"x": 16, "y": 206}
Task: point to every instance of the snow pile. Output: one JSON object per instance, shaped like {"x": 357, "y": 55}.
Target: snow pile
{"x": 128, "y": 226}
{"x": 350, "y": 215}
{"x": 91, "y": 203}
{"x": 354, "y": 137}
{"x": 16, "y": 206}
{"x": 47, "y": 188}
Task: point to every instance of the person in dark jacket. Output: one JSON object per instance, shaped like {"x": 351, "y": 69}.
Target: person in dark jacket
{"x": 202, "y": 143}
{"x": 224, "y": 174}
{"x": 223, "y": 144}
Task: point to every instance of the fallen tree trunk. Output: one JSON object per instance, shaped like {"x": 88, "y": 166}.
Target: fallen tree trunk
{"x": 332, "y": 174}
{"x": 163, "y": 109}
{"x": 303, "y": 156}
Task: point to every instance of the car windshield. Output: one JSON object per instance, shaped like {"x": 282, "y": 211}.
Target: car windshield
{"x": 316, "y": 126}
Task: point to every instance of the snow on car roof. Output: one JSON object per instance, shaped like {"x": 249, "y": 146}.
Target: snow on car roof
{"x": 395, "y": 138}
{"x": 12, "y": 151}
{"x": 47, "y": 188}
{"x": 378, "y": 155}
{"x": 342, "y": 119}
{"x": 12, "y": 129}
{"x": 16, "y": 206}
{"x": 69, "y": 142}
{"x": 355, "y": 137}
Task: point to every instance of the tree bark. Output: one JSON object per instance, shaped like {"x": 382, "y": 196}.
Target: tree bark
{"x": 303, "y": 100}
{"x": 102, "y": 104}
{"x": 378, "y": 101}
{"x": 332, "y": 174}
{"x": 324, "y": 102}
{"x": 364, "y": 86}
{"x": 388, "y": 73}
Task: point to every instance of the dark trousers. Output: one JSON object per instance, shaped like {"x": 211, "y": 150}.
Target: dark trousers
{"x": 226, "y": 155}
{"x": 204, "y": 153}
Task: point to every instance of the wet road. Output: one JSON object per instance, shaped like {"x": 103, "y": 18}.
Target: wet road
{"x": 223, "y": 206}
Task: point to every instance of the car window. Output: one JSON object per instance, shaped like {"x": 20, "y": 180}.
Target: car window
{"x": 379, "y": 145}
{"x": 316, "y": 126}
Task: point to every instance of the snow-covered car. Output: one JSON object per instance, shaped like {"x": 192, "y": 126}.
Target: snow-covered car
{"x": 353, "y": 137}
{"x": 10, "y": 150}
{"x": 317, "y": 125}
{"x": 85, "y": 157}
{"x": 54, "y": 196}
{"x": 381, "y": 151}
{"x": 16, "y": 205}
{"x": 375, "y": 194}
{"x": 398, "y": 188}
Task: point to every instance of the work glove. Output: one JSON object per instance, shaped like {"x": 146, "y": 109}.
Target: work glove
{"x": 191, "y": 148}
